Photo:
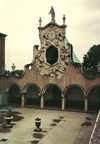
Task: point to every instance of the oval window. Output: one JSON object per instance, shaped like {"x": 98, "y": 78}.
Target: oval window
{"x": 52, "y": 55}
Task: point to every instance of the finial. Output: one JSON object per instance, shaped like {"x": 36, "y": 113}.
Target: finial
{"x": 64, "y": 19}
{"x": 40, "y": 20}
{"x": 13, "y": 67}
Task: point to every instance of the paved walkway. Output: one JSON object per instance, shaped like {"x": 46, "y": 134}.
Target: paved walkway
{"x": 58, "y": 127}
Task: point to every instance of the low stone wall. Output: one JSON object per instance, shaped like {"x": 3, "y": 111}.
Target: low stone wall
{"x": 95, "y": 137}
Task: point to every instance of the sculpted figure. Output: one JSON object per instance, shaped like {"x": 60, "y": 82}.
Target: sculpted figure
{"x": 52, "y": 12}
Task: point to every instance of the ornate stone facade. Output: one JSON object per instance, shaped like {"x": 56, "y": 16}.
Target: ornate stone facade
{"x": 52, "y": 35}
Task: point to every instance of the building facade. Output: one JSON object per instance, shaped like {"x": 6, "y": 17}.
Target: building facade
{"x": 55, "y": 77}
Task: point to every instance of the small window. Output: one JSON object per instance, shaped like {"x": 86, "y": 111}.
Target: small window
{"x": 52, "y": 55}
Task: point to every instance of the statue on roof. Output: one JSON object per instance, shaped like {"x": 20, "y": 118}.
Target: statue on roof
{"x": 52, "y": 12}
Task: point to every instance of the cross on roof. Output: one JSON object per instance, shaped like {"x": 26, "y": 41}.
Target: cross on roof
{"x": 64, "y": 19}
{"x": 40, "y": 20}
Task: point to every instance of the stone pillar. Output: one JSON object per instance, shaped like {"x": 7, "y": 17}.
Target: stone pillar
{"x": 0, "y": 99}
{"x": 22, "y": 100}
{"x": 63, "y": 103}
{"x": 42, "y": 101}
{"x": 3, "y": 98}
{"x": 86, "y": 104}
{"x": 6, "y": 98}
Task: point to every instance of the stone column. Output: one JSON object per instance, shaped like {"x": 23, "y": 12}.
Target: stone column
{"x": 63, "y": 103}
{"x": 6, "y": 98}
{"x": 42, "y": 101}
{"x": 22, "y": 100}
{"x": 86, "y": 104}
{"x": 2, "y": 99}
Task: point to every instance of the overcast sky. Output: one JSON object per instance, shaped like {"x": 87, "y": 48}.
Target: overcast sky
{"x": 19, "y": 20}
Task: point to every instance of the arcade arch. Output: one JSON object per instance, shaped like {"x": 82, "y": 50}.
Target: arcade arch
{"x": 32, "y": 92}
{"x": 74, "y": 97}
{"x": 14, "y": 93}
{"x": 52, "y": 96}
{"x": 94, "y": 98}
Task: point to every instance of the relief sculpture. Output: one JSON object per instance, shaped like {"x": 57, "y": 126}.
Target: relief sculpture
{"x": 56, "y": 70}
{"x": 52, "y": 36}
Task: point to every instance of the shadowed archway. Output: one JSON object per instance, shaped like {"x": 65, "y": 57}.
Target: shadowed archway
{"x": 94, "y": 98}
{"x": 32, "y": 97}
{"x": 14, "y": 95}
{"x": 74, "y": 98}
{"x": 52, "y": 96}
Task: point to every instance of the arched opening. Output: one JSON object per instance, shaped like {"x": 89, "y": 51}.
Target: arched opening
{"x": 52, "y": 55}
{"x": 94, "y": 99}
{"x": 74, "y": 98}
{"x": 52, "y": 97}
{"x": 14, "y": 95}
{"x": 32, "y": 96}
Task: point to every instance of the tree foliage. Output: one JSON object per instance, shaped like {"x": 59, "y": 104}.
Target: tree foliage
{"x": 18, "y": 72}
{"x": 91, "y": 59}
{"x": 7, "y": 72}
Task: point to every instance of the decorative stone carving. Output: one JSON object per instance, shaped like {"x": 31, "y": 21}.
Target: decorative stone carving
{"x": 52, "y": 35}
{"x": 58, "y": 69}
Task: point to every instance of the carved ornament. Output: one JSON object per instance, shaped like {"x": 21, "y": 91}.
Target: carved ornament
{"x": 52, "y": 36}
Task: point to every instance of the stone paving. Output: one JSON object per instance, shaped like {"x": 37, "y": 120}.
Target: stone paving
{"x": 58, "y": 127}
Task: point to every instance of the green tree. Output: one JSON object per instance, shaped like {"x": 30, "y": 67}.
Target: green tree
{"x": 7, "y": 72}
{"x": 91, "y": 59}
{"x": 19, "y": 72}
